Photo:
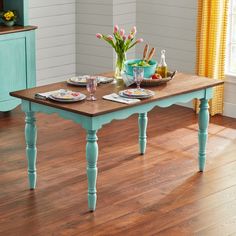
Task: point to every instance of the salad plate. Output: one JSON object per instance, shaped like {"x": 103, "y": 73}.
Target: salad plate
{"x": 67, "y": 96}
{"x": 79, "y": 80}
{"x": 136, "y": 93}
{"x": 105, "y": 80}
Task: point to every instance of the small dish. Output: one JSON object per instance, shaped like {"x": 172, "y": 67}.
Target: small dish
{"x": 79, "y": 80}
{"x": 136, "y": 93}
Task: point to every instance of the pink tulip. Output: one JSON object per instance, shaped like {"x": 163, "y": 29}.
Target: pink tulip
{"x": 99, "y": 36}
{"x": 116, "y": 29}
{"x": 140, "y": 40}
{"x": 122, "y": 32}
{"x": 124, "y": 37}
{"x": 134, "y": 30}
{"x": 109, "y": 37}
{"x": 130, "y": 36}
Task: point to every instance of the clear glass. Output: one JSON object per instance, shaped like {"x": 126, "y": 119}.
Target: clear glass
{"x": 91, "y": 87}
{"x": 138, "y": 73}
{"x": 120, "y": 63}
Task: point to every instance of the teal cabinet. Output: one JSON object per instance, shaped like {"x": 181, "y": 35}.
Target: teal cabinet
{"x": 17, "y": 66}
{"x": 17, "y": 54}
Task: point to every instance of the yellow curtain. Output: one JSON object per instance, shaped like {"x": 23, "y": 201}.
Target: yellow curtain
{"x": 211, "y": 43}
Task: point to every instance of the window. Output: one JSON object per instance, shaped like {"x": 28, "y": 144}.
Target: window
{"x": 231, "y": 46}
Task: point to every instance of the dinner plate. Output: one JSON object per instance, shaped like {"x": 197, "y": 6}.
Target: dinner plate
{"x": 105, "y": 80}
{"x": 79, "y": 98}
{"x": 138, "y": 92}
{"x": 79, "y": 80}
{"x": 75, "y": 83}
{"x": 140, "y": 97}
{"x": 67, "y": 96}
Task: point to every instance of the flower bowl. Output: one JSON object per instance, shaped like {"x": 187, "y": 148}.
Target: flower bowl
{"x": 148, "y": 70}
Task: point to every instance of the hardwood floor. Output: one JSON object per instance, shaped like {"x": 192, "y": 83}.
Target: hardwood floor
{"x": 160, "y": 193}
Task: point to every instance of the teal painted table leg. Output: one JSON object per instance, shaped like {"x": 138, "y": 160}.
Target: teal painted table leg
{"x": 143, "y": 120}
{"x": 203, "y": 120}
{"x": 92, "y": 157}
{"x": 31, "y": 150}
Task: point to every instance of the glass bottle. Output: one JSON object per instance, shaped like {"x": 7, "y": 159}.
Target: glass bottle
{"x": 162, "y": 66}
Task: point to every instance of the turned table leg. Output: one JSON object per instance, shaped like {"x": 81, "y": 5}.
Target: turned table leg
{"x": 92, "y": 157}
{"x": 203, "y": 120}
{"x": 31, "y": 150}
{"x": 142, "y": 120}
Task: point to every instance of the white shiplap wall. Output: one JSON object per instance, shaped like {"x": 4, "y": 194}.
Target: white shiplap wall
{"x": 124, "y": 14}
{"x": 169, "y": 25}
{"x": 56, "y": 49}
{"x": 93, "y": 55}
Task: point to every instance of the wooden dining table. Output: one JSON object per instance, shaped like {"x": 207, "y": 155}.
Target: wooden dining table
{"x": 92, "y": 115}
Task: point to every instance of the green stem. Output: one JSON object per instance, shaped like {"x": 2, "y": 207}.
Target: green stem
{"x": 120, "y": 62}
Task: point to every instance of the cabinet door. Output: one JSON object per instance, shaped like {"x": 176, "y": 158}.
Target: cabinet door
{"x": 12, "y": 66}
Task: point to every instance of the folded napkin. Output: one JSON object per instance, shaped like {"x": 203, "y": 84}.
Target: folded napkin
{"x": 45, "y": 95}
{"x": 116, "y": 98}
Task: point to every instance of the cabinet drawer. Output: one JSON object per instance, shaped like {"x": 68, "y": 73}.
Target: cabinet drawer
{"x": 12, "y": 66}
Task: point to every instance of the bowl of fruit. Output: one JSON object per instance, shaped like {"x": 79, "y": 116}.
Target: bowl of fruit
{"x": 149, "y": 66}
{"x": 156, "y": 79}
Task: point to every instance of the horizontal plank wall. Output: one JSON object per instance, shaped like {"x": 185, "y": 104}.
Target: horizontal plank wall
{"x": 170, "y": 25}
{"x": 93, "y": 55}
{"x": 56, "y": 51}
{"x": 124, "y": 15}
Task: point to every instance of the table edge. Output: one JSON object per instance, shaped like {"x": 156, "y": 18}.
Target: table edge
{"x": 14, "y": 94}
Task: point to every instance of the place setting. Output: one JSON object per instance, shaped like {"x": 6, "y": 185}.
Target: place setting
{"x": 69, "y": 96}
{"x": 82, "y": 82}
{"x": 132, "y": 95}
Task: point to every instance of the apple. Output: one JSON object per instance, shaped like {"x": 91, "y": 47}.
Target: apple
{"x": 156, "y": 76}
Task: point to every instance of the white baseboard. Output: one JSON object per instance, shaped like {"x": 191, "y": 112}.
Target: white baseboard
{"x": 229, "y": 109}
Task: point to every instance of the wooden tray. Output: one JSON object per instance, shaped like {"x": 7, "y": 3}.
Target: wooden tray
{"x": 156, "y": 82}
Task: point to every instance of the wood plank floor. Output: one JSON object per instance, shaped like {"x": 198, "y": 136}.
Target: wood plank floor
{"x": 160, "y": 193}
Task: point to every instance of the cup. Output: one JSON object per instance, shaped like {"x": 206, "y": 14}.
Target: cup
{"x": 138, "y": 73}
{"x": 91, "y": 84}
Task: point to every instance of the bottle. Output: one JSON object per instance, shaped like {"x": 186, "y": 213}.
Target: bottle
{"x": 162, "y": 66}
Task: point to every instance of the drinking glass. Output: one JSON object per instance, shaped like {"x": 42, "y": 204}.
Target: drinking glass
{"x": 91, "y": 87}
{"x": 138, "y": 73}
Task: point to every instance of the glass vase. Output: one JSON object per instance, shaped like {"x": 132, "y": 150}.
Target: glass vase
{"x": 120, "y": 64}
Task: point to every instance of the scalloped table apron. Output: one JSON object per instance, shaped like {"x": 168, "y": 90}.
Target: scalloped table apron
{"x": 93, "y": 115}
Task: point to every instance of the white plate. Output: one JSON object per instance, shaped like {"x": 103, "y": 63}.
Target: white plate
{"x": 140, "y": 97}
{"x": 79, "y": 98}
{"x": 105, "y": 80}
{"x": 75, "y": 83}
{"x": 138, "y": 92}
{"x": 80, "y": 80}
